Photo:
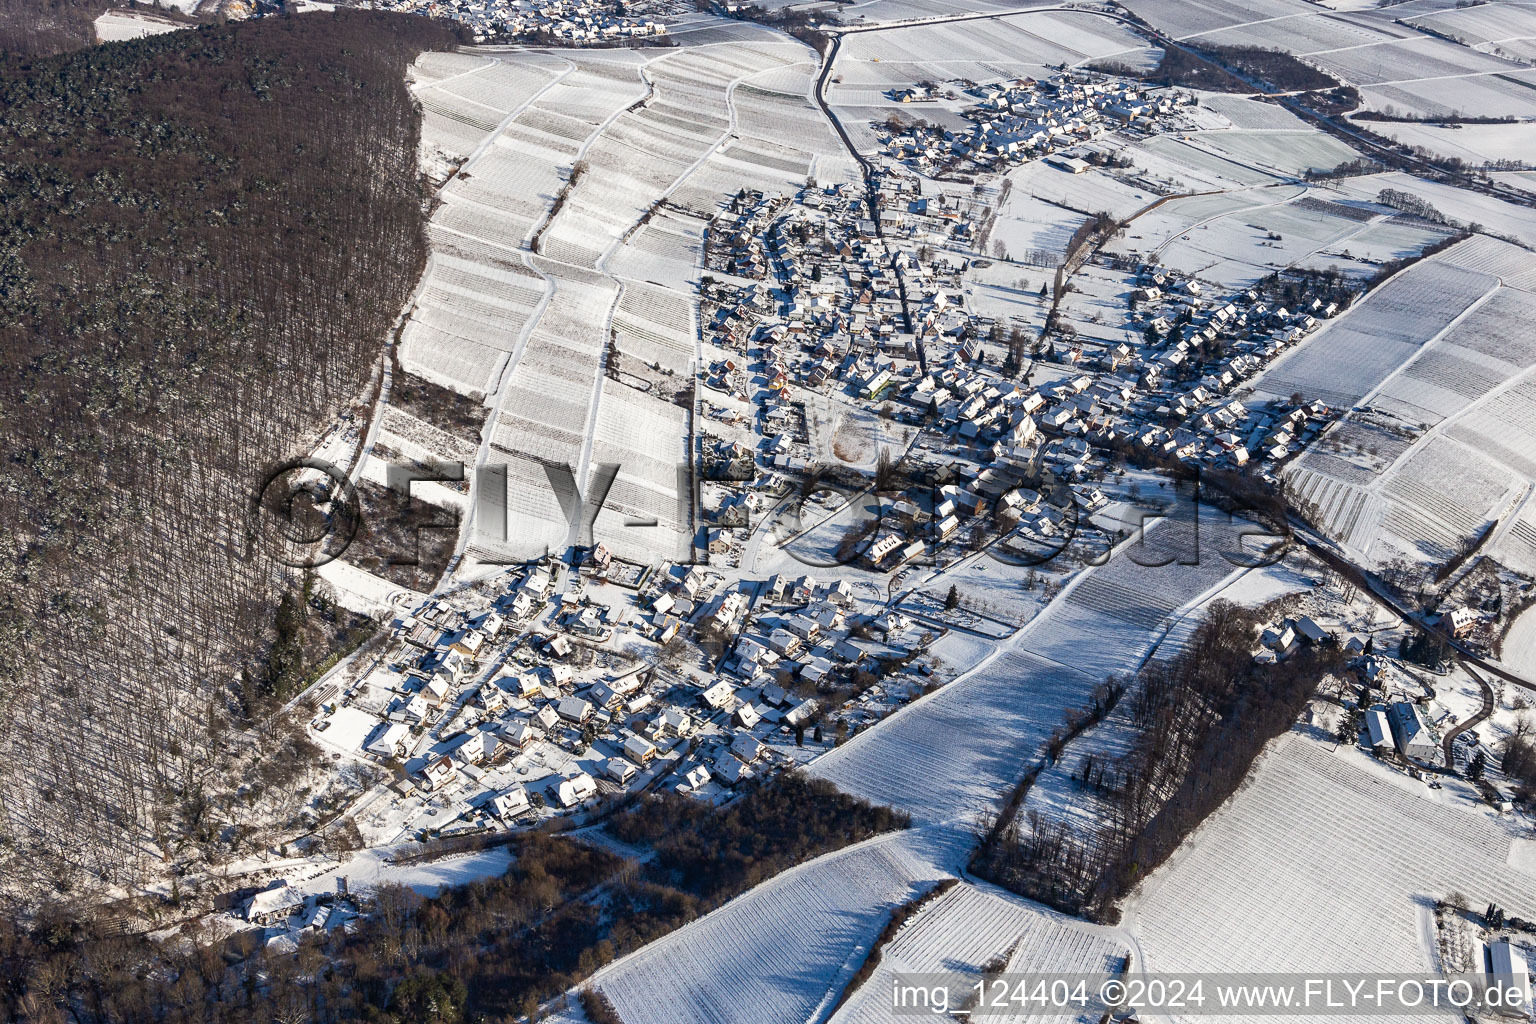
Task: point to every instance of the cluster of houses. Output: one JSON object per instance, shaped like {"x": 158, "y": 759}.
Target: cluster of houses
{"x": 862, "y": 308}
{"x": 569, "y": 22}
{"x": 520, "y": 706}
{"x": 1011, "y": 122}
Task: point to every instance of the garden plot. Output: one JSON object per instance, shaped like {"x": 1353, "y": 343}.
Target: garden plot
{"x": 1352, "y": 355}
{"x": 1347, "y": 512}
{"x": 1096, "y": 305}
{"x": 1027, "y": 226}
{"x": 464, "y": 100}
{"x": 1515, "y": 546}
{"x": 432, "y": 67}
{"x": 1415, "y": 59}
{"x": 1510, "y": 263}
{"x": 478, "y": 296}
{"x": 1322, "y": 862}
{"x": 655, "y": 326}
{"x": 1469, "y": 397}
{"x": 1086, "y": 194}
{"x": 966, "y": 929}
{"x": 1491, "y": 345}
{"x": 546, "y": 411}
{"x": 420, "y": 441}
{"x": 1444, "y": 494}
{"x": 1009, "y": 292}
{"x": 782, "y": 951}
{"x": 1504, "y": 428}
{"x": 1381, "y": 241}
{"x": 992, "y": 49}
{"x": 665, "y": 251}
{"x": 1164, "y": 223}
{"x": 1234, "y": 241}
{"x": 952, "y": 755}
{"x": 1243, "y": 112}
{"x": 878, "y": 11}
{"x": 1309, "y": 35}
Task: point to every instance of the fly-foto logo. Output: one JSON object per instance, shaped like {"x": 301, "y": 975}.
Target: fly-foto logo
{"x": 307, "y": 512}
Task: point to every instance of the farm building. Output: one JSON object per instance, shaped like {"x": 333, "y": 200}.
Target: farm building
{"x": 1378, "y": 731}
{"x": 1507, "y": 963}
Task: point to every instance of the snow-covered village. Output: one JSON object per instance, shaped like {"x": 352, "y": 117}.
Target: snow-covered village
{"x": 855, "y": 494}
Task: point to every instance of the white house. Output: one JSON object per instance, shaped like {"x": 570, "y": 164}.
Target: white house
{"x": 575, "y": 789}
{"x": 718, "y": 696}
{"x": 1410, "y": 732}
{"x": 1378, "y": 730}
{"x": 639, "y": 749}
{"x": 574, "y": 709}
{"x": 747, "y": 748}
{"x": 510, "y": 803}
{"x": 675, "y": 723}
{"x": 391, "y": 742}
{"x": 437, "y": 773}
{"x": 274, "y": 904}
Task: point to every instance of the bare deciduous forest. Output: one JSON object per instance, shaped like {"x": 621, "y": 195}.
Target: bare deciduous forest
{"x": 489, "y": 951}
{"x": 39, "y": 27}
{"x": 206, "y": 235}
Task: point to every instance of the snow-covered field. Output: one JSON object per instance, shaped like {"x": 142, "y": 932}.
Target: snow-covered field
{"x": 966, "y": 929}
{"x": 1061, "y": 797}
{"x": 528, "y": 331}
{"x": 1393, "y": 64}
{"x": 949, "y": 756}
{"x": 1352, "y": 355}
{"x": 1323, "y": 861}
{"x": 115, "y": 26}
{"x": 1460, "y": 455}
{"x": 1234, "y": 239}
{"x": 1474, "y": 143}
{"x": 783, "y": 951}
